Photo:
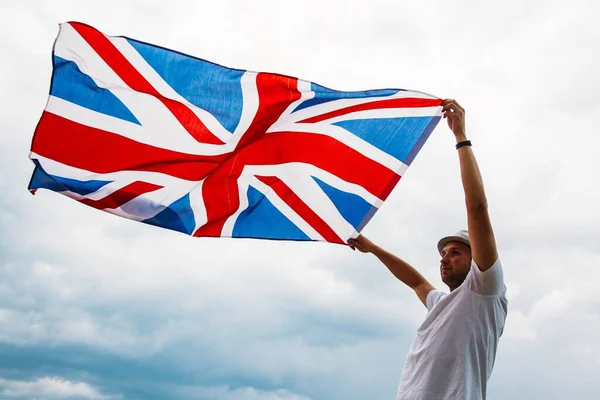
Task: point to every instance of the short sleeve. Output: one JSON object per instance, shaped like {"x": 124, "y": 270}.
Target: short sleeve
{"x": 486, "y": 283}
{"x": 433, "y": 297}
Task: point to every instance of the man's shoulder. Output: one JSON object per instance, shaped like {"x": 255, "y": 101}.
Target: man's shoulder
{"x": 496, "y": 266}
{"x": 486, "y": 283}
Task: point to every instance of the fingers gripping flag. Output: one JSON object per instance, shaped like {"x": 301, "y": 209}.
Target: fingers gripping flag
{"x": 174, "y": 141}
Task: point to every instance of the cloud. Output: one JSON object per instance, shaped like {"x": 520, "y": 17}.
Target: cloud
{"x": 247, "y": 393}
{"x": 50, "y": 388}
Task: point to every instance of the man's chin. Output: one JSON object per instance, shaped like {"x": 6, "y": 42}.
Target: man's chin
{"x": 448, "y": 281}
{"x": 453, "y": 280}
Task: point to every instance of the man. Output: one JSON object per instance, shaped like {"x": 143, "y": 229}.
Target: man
{"x": 453, "y": 353}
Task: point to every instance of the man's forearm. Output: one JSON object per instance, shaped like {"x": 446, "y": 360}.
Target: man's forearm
{"x": 475, "y": 198}
{"x": 399, "y": 268}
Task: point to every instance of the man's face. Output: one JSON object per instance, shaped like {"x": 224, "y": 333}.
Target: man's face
{"x": 455, "y": 264}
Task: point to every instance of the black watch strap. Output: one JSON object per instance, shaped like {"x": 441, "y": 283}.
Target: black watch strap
{"x": 463, "y": 143}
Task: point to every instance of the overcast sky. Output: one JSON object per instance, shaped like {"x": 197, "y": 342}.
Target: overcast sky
{"x": 93, "y": 306}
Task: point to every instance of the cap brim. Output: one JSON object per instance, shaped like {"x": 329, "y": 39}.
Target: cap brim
{"x": 445, "y": 240}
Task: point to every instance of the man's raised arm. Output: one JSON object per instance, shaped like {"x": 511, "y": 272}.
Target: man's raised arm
{"x": 483, "y": 243}
{"x": 398, "y": 267}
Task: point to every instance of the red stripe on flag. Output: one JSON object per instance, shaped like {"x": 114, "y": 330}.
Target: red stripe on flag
{"x": 301, "y": 208}
{"x": 99, "y": 151}
{"x": 323, "y": 152}
{"x": 131, "y": 76}
{"x": 220, "y": 190}
{"x": 221, "y": 199}
{"x": 122, "y": 196}
{"x": 275, "y": 94}
{"x": 389, "y": 103}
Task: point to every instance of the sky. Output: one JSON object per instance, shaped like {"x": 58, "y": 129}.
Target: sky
{"x": 94, "y": 306}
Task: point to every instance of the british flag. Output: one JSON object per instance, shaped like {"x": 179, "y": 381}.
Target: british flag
{"x": 174, "y": 141}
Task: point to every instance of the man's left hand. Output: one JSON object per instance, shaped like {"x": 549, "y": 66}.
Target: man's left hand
{"x": 455, "y": 115}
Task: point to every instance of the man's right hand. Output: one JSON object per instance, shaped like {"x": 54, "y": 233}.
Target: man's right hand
{"x": 362, "y": 244}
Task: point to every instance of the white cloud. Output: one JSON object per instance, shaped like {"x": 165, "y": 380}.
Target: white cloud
{"x": 49, "y": 388}
{"x": 245, "y": 393}
{"x": 519, "y": 327}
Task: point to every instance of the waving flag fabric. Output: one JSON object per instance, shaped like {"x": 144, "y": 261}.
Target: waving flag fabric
{"x": 181, "y": 143}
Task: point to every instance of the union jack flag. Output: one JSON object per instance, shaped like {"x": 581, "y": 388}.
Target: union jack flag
{"x": 167, "y": 139}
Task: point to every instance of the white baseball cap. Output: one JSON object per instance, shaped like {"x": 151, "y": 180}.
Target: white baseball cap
{"x": 460, "y": 236}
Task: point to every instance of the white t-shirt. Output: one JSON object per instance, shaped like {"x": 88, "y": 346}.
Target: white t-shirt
{"x": 453, "y": 354}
